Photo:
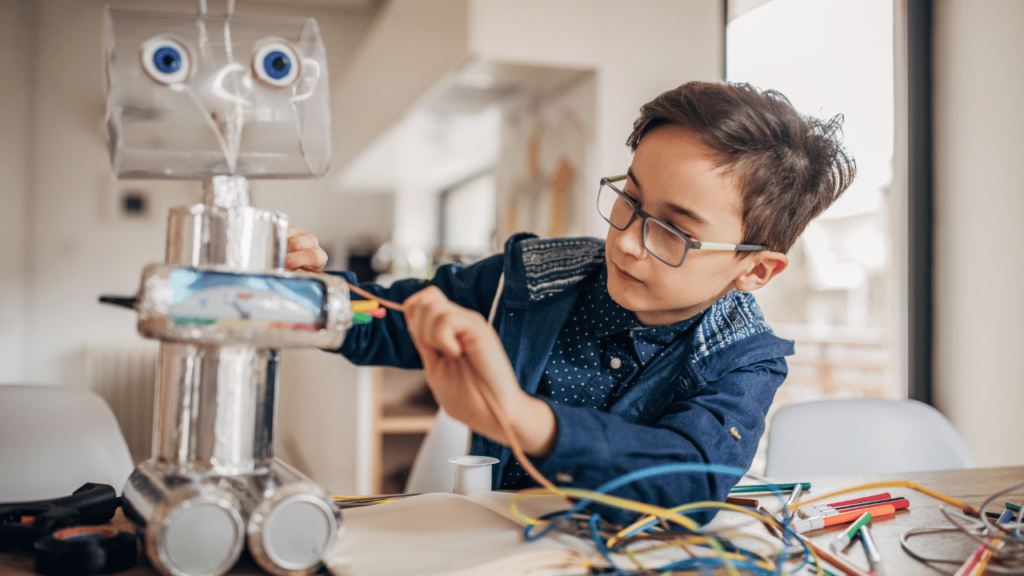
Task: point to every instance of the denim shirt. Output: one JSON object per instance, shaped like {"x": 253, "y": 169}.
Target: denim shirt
{"x": 703, "y": 399}
{"x": 599, "y": 353}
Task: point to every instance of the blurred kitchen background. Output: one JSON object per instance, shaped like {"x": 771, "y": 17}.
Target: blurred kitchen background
{"x": 459, "y": 122}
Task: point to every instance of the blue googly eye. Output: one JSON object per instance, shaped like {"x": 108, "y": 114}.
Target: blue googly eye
{"x": 166, "y": 60}
{"x": 276, "y": 63}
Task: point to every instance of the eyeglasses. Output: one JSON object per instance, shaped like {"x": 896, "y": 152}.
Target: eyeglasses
{"x": 660, "y": 239}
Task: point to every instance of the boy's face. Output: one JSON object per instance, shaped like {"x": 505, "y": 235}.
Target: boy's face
{"x": 674, "y": 180}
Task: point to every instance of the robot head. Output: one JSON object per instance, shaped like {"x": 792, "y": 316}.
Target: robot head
{"x": 192, "y": 97}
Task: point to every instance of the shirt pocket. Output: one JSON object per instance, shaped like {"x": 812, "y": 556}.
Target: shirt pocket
{"x": 653, "y": 393}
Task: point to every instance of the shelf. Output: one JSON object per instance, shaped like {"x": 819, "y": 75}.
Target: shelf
{"x": 404, "y": 412}
{"x": 405, "y": 424}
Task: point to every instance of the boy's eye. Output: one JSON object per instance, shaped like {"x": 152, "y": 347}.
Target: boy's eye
{"x": 628, "y": 193}
{"x": 682, "y": 229}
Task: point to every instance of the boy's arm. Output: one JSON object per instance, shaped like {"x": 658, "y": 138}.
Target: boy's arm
{"x": 584, "y": 447}
{"x": 386, "y": 341}
{"x": 594, "y": 447}
{"x": 461, "y": 356}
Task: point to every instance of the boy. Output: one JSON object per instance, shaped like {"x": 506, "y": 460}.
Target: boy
{"x": 644, "y": 349}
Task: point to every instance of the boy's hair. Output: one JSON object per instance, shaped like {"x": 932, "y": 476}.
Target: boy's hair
{"x": 789, "y": 167}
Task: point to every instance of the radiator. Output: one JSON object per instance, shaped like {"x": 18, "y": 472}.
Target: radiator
{"x": 125, "y": 374}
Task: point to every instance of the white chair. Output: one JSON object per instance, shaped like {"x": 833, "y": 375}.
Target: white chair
{"x": 53, "y": 440}
{"x": 431, "y": 472}
{"x": 862, "y": 436}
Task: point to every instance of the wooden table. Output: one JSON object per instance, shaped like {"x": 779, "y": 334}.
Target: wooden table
{"x": 970, "y": 486}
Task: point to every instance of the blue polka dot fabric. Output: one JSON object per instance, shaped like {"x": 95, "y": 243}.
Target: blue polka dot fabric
{"x": 601, "y": 350}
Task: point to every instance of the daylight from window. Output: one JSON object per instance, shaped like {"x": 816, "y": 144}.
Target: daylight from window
{"x": 836, "y": 299}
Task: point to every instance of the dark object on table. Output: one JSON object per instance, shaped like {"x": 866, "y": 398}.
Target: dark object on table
{"x": 22, "y": 523}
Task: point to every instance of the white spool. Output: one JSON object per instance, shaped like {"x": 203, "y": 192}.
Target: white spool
{"x": 472, "y": 474}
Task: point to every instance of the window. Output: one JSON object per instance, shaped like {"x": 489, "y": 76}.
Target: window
{"x": 837, "y": 300}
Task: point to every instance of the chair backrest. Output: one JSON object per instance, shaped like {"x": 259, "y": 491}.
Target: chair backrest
{"x": 862, "y": 436}
{"x": 53, "y": 440}
{"x": 431, "y": 471}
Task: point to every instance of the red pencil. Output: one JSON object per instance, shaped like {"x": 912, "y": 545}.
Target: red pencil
{"x": 882, "y": 496}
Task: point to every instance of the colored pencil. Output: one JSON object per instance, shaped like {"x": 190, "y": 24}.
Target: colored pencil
{"x": 768, "y": 488}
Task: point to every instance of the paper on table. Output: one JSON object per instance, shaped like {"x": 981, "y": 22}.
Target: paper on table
{"x": 444, "y": 533}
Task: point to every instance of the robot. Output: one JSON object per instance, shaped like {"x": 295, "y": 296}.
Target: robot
{"x": 223, "y": 99}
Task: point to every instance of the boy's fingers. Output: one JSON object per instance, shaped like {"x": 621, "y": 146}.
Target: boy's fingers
{"x": 302, "y": 242}
{"x": 304, "y": 251}
{"x": 435, "y": 321}
{"x": 305, "y": 259}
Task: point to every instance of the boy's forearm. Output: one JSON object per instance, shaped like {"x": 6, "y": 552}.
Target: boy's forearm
{"x": 535, "y": 426}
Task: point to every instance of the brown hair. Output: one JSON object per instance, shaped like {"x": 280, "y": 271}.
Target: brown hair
{"x": 789, "y": 167}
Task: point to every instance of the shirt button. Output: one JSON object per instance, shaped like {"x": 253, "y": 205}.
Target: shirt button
{"x": 735, "y": 433}
{"x": 616, "y": 363}
{"x": 563, "y": 478}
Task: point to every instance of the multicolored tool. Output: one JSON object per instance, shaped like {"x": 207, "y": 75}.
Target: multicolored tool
{"x": 366, "y": 310}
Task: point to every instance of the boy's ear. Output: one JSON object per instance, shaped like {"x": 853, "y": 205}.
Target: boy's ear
{"x": 766, "y": 265}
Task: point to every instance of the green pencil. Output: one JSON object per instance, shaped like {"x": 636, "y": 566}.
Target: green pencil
{"x": 768, "y": 488}
{"x": 824, "y": 570}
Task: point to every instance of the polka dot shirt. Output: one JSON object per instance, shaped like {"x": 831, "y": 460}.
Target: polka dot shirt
{"x": 598, "y": 354}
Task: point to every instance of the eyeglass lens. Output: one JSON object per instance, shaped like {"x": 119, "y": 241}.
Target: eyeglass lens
{"x": 662, "y": 242}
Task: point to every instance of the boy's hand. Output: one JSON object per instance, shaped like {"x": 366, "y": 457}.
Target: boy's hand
{"x": 461, "y": 353}
{"x": 304, "y": 252}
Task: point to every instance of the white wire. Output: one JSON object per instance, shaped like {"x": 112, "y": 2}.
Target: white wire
{"x": 497, "y": 298}
{"x": 1008, "y": 559}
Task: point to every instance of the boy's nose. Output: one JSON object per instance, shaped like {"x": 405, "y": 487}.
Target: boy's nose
{"x": 630, "y": 241}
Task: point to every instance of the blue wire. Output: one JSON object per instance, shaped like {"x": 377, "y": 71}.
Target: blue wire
{"x": 642, "y": 474}
{"x": 687, "y": 564}
{"x": 595, "y": 527}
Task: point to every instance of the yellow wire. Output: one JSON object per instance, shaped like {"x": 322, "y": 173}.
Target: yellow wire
{"x": 673, "y": 515}
{"x": 897, "y": 484}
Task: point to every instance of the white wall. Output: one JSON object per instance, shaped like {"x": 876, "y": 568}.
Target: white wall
{"x": 17, "y": 21}
{"x": 411, "y": 45}
{"x": 634, "y": 48}
{"x": 637, "y": 48}
{"x": 979, "y": 208}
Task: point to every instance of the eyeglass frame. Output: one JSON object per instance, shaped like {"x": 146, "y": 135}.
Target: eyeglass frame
{"x": 689, "y": 243}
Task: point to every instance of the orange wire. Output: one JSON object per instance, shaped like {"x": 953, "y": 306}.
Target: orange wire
{"x": 385, "y": 303}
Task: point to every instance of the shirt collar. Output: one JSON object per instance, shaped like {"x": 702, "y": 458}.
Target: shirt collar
{"x": 665, "y": 334}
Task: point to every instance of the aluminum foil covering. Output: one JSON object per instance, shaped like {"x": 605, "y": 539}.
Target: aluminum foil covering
{"x": 241, "y": 238}
{"x": 226, "y": 191}
{"x": 161, "y": 503}
{"x": 215, "y": 409}
{"x": 156, "y": 296}
{"x": 274, "y": 528}
{"x": 190, "y": 527}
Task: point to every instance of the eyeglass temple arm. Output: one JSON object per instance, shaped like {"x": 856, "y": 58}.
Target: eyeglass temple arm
{"x": 729, "y": 247}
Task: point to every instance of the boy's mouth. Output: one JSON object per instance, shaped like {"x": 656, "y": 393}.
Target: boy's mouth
{"x": 625, "y": 276}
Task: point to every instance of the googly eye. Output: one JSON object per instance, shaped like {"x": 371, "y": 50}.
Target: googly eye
{"x": 276, "y": 63}
{"x": 166, "y": 60}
